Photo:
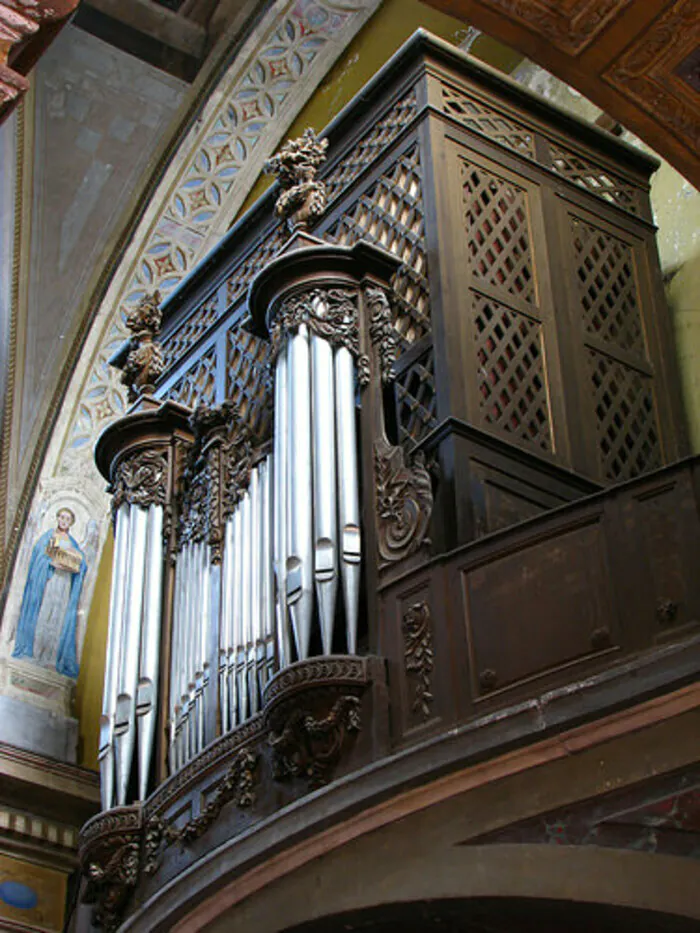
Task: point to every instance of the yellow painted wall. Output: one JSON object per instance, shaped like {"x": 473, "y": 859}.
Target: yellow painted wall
{"x": 389, "y": 28}
{"x": 88, "y": 693}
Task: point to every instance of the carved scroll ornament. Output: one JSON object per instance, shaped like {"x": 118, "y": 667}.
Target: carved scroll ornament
{"x": 310, "y": 748}
{"x": 303, "y": 198}
{"x": 331, "y": 313}
{"x": 141, "y": 358}
{"x": 141, "y": 479}
{"x": 404, "y": 501}
{"x": 418, "y": 654}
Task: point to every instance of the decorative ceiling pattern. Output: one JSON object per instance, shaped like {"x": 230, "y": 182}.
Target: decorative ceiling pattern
{"x": 639, "y": 60}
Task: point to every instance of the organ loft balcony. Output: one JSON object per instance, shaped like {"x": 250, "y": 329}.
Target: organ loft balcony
{"x": 404, "y": 486}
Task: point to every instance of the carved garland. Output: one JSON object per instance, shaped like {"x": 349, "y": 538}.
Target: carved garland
{"x": 418, "y": 654}
{"x": 404, "y": 501}
{"x": 311, "y": 748}
{"x": 236, "y": 786}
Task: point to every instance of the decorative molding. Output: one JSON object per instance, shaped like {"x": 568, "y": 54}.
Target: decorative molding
{"x": 381, "y": 330}
{"x": 141, "y": 359}
{"x": 140, "y": 479}
{"x": 343, "y": 670}
{"x": 404, "y": 499}
{"x": 303, "y": 198}
{"x": 330, "y": 313}
{"x": 418, "y": 654}
{"x": 571, "y": 29}
{"x": 235, "y": 786}
{"x": 310, "y": 748}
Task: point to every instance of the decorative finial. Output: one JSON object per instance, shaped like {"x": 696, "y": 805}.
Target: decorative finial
{"x": 141, "y": 357}
{"x": 303, "y": 198}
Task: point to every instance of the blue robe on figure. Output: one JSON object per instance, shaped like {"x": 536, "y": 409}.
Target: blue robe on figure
{"x": 40, "y": 572}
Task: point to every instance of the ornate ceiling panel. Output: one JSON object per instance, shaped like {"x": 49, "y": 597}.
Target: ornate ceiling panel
{"x": 637, "y": 59}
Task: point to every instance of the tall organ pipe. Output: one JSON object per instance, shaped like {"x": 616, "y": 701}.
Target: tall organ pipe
{"x": 150, "y": 645}
{"x": 299, "y": 476}
{"x": 281, "y": 510}
{"x": 125, "y": 720}
{"x": 324, "y": 485}
{"x": 112, "y": 666}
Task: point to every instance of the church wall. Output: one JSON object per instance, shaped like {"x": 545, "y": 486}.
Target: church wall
{"x": 95, "y": 121}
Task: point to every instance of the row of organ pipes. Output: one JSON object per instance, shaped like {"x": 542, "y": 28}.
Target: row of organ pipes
{"x": 291, "y": 544}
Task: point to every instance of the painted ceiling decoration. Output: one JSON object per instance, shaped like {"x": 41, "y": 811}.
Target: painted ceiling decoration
{"x": 637, "y": 59}
{"x": 27, "y": 27}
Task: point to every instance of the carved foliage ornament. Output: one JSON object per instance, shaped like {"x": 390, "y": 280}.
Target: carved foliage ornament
{"x": 404, "y": 501}
{"x": 331, "y": 313}
{"x": 418, "y": 654}
{"x": 236, "y": 786}
{"x": 141, "y": 358}
{"x": 303, "y": 198}
{"x": 109, "y": 855}
{"x": 381, "y": 330}
{"x": 310, "y": 748}
{"x": 140, "y": 479}
{"x": 216, "y": 475}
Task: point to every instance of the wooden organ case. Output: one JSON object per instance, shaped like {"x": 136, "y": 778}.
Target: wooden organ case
{"x": 480, "y": 300}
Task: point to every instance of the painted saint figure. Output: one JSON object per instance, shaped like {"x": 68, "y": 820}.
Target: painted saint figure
{"x": 46, "y": 631}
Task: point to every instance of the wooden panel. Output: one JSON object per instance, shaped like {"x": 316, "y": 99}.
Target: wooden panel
{"x": 531, "y": 611}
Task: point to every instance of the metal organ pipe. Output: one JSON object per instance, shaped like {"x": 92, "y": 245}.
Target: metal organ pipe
{"x": 150, "y": 645}
{"x": 299, "y": 477}
{"x": 316, "y": 488}
{"x": 125, "y": 719}
{"x": 324, "y": 484}
{"x": 348, "y": 490}
{"x": 116, "y": 620}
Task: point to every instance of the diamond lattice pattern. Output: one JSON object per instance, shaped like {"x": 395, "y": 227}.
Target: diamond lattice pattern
{"x": 247, "y": 378}
{"x": 594, "y": 178}
{"x": 185, "y": 337}
{"x": 416, "y": 401}
{"x": 390, "y": 214}
{"x": 627, "y": 436}
{"x": 369, "y": 147}
{"x": 607, "y": 287}
{"x": 198, "y": 384}
{"x": 511, "y": 380}
{"x": 497, "y": 228}
{"x": 476, "y": 115}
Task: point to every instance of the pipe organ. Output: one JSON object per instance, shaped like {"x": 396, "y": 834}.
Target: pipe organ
{"x": 237, "y": 555}
{"x": 463, "y": 342}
